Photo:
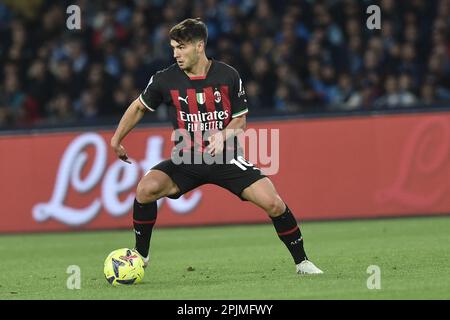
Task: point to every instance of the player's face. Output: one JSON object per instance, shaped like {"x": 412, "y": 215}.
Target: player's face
{"x": 186, "y": 54}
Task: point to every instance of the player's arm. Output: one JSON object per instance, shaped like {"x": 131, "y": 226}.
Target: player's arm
{"x": 238, "y": 123}
{"x": 149, "y": 99}
{"x": 239, "y": 109}
{"x": 234, "y": 128}
{"x": 130, "y": 118}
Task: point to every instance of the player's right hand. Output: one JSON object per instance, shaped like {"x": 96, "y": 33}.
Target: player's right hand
{"x": 121, "y": 153}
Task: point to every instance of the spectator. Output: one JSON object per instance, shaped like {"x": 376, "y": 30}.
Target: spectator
{"x": 342, "y": 93}
{"x": 427, "y": 94}
{"x": 406, "y": 96}
{"x": 284, "y": 101}
{"x": 60, "y": 110}
{"x": 13, "y": 99}
{"x": 397, "y": 93}
{"x": 294, "y": 56}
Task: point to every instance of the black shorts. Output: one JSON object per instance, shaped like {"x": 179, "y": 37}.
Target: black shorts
{"x": 233, "y": 177}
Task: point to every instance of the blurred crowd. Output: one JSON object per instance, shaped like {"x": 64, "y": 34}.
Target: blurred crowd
{"x": 294, "y": 56}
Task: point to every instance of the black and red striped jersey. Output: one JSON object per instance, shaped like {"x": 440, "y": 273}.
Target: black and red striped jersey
{"x": 198, "y": 104}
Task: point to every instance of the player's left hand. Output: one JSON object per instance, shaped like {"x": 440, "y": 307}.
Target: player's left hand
{"x": 216, "y": 143}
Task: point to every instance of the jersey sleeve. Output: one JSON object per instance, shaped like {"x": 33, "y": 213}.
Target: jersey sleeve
{"x": 152, "y": 96}
{"x": 238, "y": 97}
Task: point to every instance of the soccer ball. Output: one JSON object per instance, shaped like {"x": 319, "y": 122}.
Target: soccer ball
{"x": 123, "y": 266}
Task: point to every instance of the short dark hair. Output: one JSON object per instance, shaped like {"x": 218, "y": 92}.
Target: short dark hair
{"x": 189, "y": 30}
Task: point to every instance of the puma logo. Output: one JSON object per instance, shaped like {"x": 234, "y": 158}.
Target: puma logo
{"x": 293, "y": 243}
{"x": 183, "y": 99}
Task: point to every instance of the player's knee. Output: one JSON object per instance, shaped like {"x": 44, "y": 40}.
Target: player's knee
{"x": 275, "y": 207}
{"x": 148, "y": 191}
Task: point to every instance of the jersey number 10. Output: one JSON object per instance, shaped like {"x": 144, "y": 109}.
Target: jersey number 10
{"x": 242, "y": 163}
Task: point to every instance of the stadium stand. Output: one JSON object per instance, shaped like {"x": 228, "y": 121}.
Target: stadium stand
{"x": 295, "y": 57}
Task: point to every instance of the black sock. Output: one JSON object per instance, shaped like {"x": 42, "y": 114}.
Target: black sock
{"x": 144, "y": 218}
{"x": 289, "y": 232}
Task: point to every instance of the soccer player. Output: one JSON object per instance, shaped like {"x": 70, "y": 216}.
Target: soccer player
{"x": 204, "y": 96}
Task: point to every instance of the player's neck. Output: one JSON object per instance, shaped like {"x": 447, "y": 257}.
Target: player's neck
{"x": 200, "y": 69}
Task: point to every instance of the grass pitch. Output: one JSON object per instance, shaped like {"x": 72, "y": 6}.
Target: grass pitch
{"x": 239, "y": 262}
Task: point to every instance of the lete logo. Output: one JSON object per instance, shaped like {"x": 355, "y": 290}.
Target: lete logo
{"x": 427, "y": 152}
{"x": 119, "y": 177}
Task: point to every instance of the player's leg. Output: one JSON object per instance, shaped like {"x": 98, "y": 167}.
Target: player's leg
{"x": 164, "y": 180}
{"x": 248, "y": 183}
{"x": 153, "y": 186}
{"x": 263, "y": 194}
